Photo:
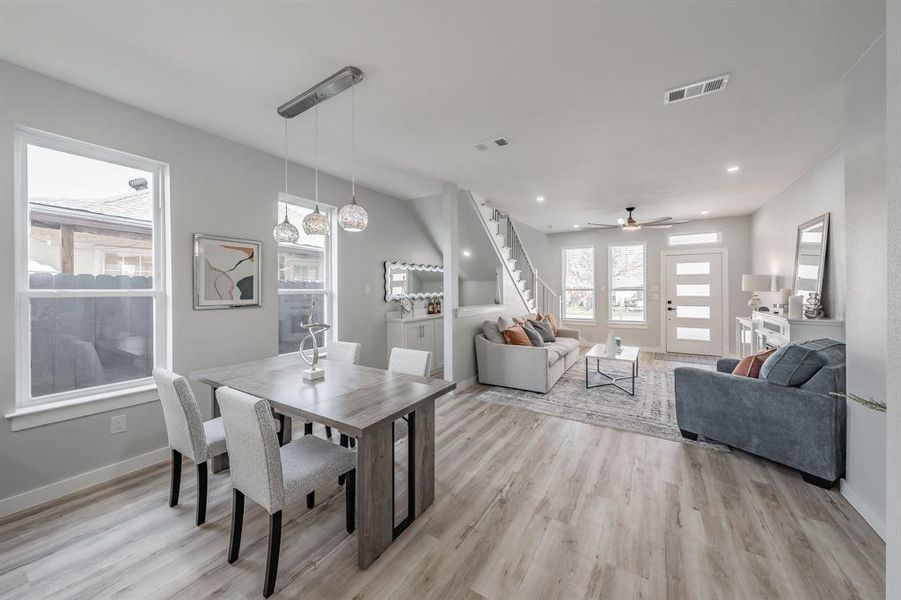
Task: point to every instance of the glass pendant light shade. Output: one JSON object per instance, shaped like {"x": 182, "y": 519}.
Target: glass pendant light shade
{"x": 353, "y": 217}
{"x": 315, "y": 223}
{"x": 285, "y": 232}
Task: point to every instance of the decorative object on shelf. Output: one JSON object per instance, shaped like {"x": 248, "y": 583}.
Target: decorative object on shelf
{"x": 316, "y": 223}
{"x": 754, "y": 284}
{"x": 813, "y": 307}
{"x": 796, "y": 307}
{"x": 611, "y": 343}
{"x": 313, "y": 329}
{"x": 286, "y": 232}
{"x": 406, "y": 306}
{"x": 353, "y": 217}
{"x": 226, "y": 272}
{"x": 784, "y": 295}
{"x": 414, "y": 281}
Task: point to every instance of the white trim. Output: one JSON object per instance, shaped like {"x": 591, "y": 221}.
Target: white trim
{"x": 594, "y": 282}
{"x": 26, "y": 417}
{"x": 59, "y": 489}
{"x": 589, "y": 322}
{"x": 727, "y": 322}
{"x": 865, "y": 510}
{"x": 466, "y": 384}
{"x": 644, "y": 288}
{"x": 482, "y": 309}
{"x": 628, "y": 324}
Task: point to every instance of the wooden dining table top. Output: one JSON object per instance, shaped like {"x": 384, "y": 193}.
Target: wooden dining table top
{"x": 351, "y": 398}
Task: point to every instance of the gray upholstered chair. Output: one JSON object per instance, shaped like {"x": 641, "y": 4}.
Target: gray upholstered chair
{"x": 346, "y": 352}
{"x": 189, "y": 435}
{"x": 408, "y": 362}
{"x": 275, "y": 477}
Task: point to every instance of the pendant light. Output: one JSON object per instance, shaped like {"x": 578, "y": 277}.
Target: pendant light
{"x": 286, "y": 232}
{"x": 352, "y": 217}
{"x": 316, "y": 223}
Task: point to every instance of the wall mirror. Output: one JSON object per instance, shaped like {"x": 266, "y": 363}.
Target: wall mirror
{"x": 810, "y": 255}
{"x": 414, "y": 281}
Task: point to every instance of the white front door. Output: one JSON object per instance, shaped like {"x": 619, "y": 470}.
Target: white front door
{"x": 693, "y": 303}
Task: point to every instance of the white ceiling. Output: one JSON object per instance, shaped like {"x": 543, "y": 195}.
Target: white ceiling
{"x": 578, "y": 88}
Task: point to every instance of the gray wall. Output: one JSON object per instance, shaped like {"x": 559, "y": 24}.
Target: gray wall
{"x": 893, "y": 395}
{"x": 774, "y": 229}
{"x": 216, "y": 186}
{"x": 866, "y": 292}
{"x": 736, "y": 239}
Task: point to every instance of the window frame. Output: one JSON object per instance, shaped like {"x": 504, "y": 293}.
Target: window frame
{"x": 328, "y": 292}
{"x": 593, "y": 289}
{"x": 67, "y": 403}
{"x": 670, "y": 236}
{"x": 611, "y": 289}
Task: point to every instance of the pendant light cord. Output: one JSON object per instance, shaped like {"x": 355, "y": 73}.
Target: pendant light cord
{"x": 286, "y": 168}
{"x": 316, "y": 149}
{"x": 353, "y": 140}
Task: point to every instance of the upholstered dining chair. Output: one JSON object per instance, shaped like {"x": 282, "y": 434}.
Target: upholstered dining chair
{"x": 346, "y": 352}
{"x": 275, "y": 477}
{"x": 189, "y": 435}
{"x": 408, "y": 362}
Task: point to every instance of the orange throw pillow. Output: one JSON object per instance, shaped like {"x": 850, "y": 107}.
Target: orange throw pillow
{"x": 549, "y": 319}
{"x": 749, "y": 366}
{"x": 516, "y": 336}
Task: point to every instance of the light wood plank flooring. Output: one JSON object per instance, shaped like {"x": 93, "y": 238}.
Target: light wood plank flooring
{"x": 528, "y": 506}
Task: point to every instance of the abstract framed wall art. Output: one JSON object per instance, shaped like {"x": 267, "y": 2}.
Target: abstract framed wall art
{"x": 226, "y": 272}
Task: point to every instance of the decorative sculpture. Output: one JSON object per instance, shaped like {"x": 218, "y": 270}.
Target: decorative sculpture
{"x": 813, "y": 307}
{"x": 313, "y": 329}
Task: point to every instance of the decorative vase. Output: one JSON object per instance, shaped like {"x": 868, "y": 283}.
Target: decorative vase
{"x": 611, "y": 344}
{"x": 813, "y": 307}
{"x": 796, "y": 307}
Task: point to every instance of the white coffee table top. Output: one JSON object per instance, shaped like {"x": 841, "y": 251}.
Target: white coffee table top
{"x": 626, "y": 353}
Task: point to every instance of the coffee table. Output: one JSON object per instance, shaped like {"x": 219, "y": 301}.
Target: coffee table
{"x": 627, "y": 354}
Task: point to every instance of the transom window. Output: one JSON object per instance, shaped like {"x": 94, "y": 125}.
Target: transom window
{"x": 90, "y": 269}
{"x": 627, "y": 278}
{"x": 694, "y": 239}
{"x": 304, "y": 278}
{"x": 578, "y": 283}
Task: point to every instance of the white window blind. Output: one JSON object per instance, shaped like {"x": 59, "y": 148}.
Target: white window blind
{"x": 578, "y": 283}
{"x": 627, "y": 278}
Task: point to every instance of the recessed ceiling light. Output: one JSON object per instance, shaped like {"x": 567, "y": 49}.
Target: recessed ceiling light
{"x": 705, "y": 212}
{"x": 539, "y": 199}
{"x": 467, "y": 253}
{"x": 733, "y": 169}
{"x": 576, "y": 226}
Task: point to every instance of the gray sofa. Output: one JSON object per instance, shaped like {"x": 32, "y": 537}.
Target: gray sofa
{"x": 535, "y": 369}
{"x": 788, "y": 415}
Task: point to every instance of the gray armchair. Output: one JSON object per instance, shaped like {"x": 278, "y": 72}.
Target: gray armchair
{"x": 800, "y": 425}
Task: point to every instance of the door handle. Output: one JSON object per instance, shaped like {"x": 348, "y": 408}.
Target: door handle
{"x": 670, "y": 308}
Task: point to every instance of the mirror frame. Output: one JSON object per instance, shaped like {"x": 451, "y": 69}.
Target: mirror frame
{"x": 389, "y": 297}
{"x": 825, "y": 220}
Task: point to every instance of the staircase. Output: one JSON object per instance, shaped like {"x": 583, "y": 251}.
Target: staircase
{"x": 535, "y": 293}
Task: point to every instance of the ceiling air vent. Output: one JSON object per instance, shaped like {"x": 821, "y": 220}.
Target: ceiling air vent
{"x": 696, "y": 90}
{"x": 491, "y": 144}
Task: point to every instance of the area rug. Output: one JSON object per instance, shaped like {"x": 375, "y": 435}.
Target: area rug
{"x": 690, "y": 359}
{"x": 652, "y": 411}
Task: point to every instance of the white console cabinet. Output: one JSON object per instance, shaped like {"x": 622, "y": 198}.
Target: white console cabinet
{"x": 767, "y": 330}
{"x": 424, "y": 332}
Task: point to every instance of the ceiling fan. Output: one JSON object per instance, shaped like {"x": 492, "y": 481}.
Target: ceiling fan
{"x": 630, "y": 224}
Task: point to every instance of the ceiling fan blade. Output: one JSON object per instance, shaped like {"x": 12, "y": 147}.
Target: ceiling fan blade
{"x": 667, "y": 226}
{"x": 655, "y": 221}
{"x": 602, "y": 225}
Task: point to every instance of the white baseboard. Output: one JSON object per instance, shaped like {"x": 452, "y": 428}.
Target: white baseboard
{"x": 58, "y": 489}
{"x": 467, "y": 383}
{"x": 861, "y": 506}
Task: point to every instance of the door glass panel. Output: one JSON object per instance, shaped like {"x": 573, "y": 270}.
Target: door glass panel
{"x": 693, "y": 289}
{"x": 693, "y": 268}
{"x": 693, "y": 312}
{"x": 696, "y": 334}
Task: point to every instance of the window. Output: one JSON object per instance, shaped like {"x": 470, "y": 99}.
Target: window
{"x": 304, "y": 279}
{"x": 694, "y": 239}
{"x": 626, "y": 268}
{"x": 90, "y": 279}
{"x": 578, "y": 283}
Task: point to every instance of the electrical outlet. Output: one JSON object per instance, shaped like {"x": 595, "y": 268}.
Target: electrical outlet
{"x": 117, "y": 424}
{"x": 367, "y": 290}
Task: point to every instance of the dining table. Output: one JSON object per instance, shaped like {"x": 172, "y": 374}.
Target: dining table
{"x": 363, "y": 403}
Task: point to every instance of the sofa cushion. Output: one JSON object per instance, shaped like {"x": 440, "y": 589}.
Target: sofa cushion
{"x": 554, "y": 352}
{"x": 550, "y": 319}
{"x": 792, "y": 365}
{"x": 544, "y": 328}
{"x": 569, "y": 344}
{"x": 749, "y": 366}
{"x": 491, "y": 332}
{"x": 534, "y": 336}
{"x": 516, "y": 336}
{"x": 503, "y": 324}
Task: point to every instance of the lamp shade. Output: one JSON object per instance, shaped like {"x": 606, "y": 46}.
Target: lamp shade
{"x": 756, "y": 283}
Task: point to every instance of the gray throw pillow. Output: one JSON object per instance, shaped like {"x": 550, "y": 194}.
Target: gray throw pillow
{"x": 534, "y": 336}
{"x": 504, "y": 323}
{"x": 491, "y": 332}
{"x": 791, "y": 365}
{"x": 544, "y": 328}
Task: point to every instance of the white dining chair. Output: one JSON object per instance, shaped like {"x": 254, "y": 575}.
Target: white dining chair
{"x": 408, "y": 362}
{"x": 189, "y": 435}
{"x": 275, "y": 477}
{"x": 345, "y": 352}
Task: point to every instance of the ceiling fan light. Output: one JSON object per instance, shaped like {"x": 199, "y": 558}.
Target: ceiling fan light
{"x": 631, "y": 227}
